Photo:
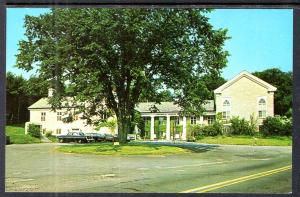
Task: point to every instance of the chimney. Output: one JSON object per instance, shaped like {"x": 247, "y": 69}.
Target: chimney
{"x": 50, "y": 92}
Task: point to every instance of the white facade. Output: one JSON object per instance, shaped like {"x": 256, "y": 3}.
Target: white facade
{"x": 245, "y": 95}
{"x": 52, "y": 122}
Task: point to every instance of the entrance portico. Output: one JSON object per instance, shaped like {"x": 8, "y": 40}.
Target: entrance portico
{"x": 169, "y": 111}
{"x": 168, "y": 124}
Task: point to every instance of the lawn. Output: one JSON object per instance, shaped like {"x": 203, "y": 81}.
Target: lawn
{"x": 248, "y": 140}
{"x": 126, "y": 149}
{"x": 17, "y": 135}
{"x": 52, "y": 138}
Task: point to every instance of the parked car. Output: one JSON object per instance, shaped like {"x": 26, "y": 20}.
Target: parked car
{"x": 79, "y": 137}
{"x": 131, "y": 137}
{"x": 110, "y": 137}
{"x": 97, "y": 137}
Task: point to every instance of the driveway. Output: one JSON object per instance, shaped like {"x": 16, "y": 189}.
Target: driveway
{"x": 216, "y": 168}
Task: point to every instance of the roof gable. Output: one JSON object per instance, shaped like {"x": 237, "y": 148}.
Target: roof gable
{"x": 249, "y": 76}
{"x": 44, "y": 103}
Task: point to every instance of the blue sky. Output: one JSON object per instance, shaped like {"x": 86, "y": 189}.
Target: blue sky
{"x": 261, "y": 38}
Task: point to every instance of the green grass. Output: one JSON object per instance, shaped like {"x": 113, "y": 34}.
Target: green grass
{"x": 248, "y": 140}
{"x": 52, "y": 138}
{"x": 17, "y": 135}
{"x": 126, "y": 149}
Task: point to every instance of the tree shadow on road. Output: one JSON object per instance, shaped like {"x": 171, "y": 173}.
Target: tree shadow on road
{"x": 193, "y": 147}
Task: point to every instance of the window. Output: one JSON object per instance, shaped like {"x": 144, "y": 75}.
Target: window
{"x": 226, "y": 109}
{"x": 59, "y": 116}
{"x": 43, "y": 116}
{"x": 193, "y": 119}
{"x": 210, "y": 119}
{"x": 58, "y": 131}
{"x": 262, "y": 108}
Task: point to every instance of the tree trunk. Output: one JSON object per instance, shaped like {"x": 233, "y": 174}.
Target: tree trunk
{"x": 124, "y": 126}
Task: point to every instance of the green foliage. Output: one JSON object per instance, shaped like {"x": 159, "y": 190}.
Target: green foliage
{"x": 199, "y": 131}
{"x": 110, "y": 123}
{"x": 289, "y": 113}
{"x": 126, "y": 54}
{"x": 53, "y": 138}
{"x": 20, "y": 94}
{"x": 17, "y": 135}
{"x": 213, "y": 129}
{"x": 278, "y": 125}
{"x": 48, "y": 134}
{"x": 196, "y": 131}
{"x": 34, "y": 130}
{"x": 283, "y": 82}
{"x": 241, "y": 127}
{"x": 213, "y": 81}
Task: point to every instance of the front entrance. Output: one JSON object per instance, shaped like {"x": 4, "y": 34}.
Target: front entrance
{"x": 161, "y": 130}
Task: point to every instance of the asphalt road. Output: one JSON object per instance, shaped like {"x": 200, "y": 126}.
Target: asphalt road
{"x": 213, "y": 168}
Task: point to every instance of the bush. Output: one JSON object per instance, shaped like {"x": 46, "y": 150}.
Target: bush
{"x": 278, "y": 125}
{"x": 241, "y": 127}
{"x": 208, "y": 130}
{"x": 48, "y": 134}
{"x": 213, "y": 129}
{"x": 196, "y": 132}
{"x": 34, "y": 130}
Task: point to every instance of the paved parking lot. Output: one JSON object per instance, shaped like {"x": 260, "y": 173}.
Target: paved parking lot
{"x": 214, "y": 168}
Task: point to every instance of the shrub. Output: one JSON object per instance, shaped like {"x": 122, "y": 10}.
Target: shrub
{"x": 196, "y": 132}
{"x": 208, "y": 130}
{"x": 48, "y": 134}
{"x": 278, "y": 125}
{"x": 34, "y": 130}
{"x": 213, "y": 129}
{"x": 241, "y": 127}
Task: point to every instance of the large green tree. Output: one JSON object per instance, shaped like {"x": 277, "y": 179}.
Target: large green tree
{"x": 14, "y": 97}
{"x": 284, "y": 83}
{"x": 115, "y": 54}
{"x": 212, "y": 82}
{"x": 20, "y": 94}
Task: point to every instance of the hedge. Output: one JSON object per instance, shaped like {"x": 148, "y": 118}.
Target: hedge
{"x": 34, "y": 130}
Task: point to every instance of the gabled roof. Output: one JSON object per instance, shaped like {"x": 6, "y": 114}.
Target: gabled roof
{"x": 248, "y": 75}
{"x": 166, "y": 107}
{"x": 43, "y": 103}
{"x": 40, "y": 104}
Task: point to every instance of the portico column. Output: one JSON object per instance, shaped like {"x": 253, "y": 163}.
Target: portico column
{"x": 183, "y": 128}
{"x": 152, "y": 128}
{"x": 168, "y": 128}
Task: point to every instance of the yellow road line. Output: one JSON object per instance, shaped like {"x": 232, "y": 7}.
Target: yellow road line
{"x": 224, "y": 182}
{"x": 238, "y": 179}
{"x": 214, "y": 188}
